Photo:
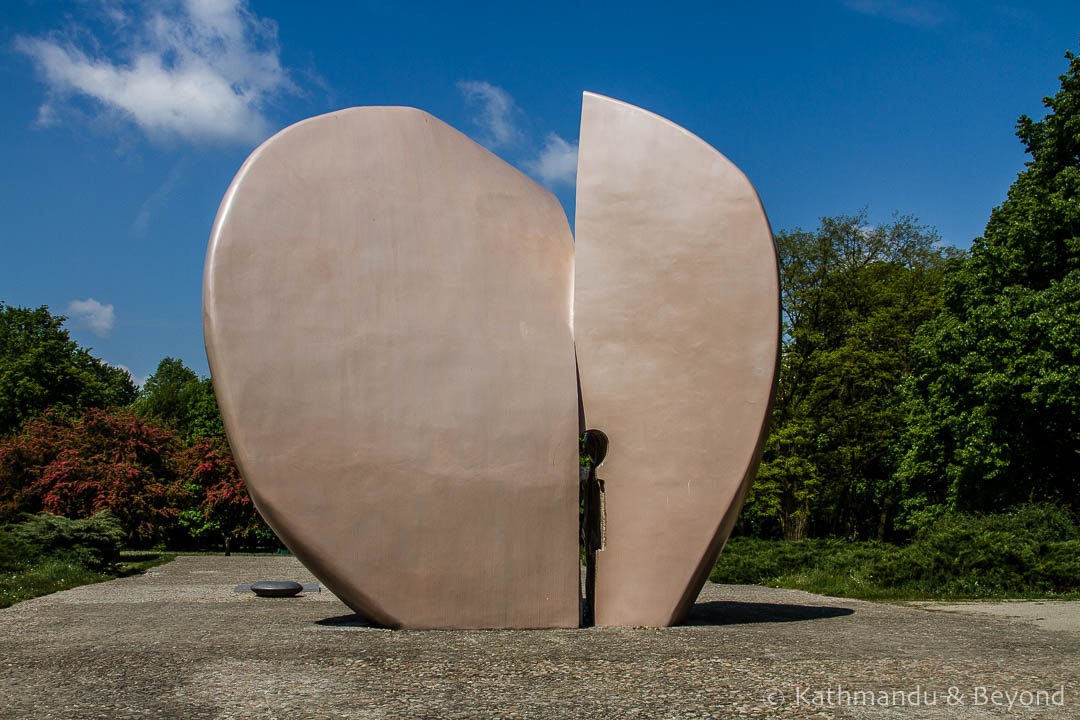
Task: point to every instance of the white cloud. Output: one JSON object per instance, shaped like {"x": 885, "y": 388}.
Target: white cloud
{"x": 919, "y": 13}
{"x": 496, "y": 112}
{"x": 198, "y": 70}
{"x": 99, "y": 318}
{"x": 553, "y": 164}
{"x": 557, "y": 162}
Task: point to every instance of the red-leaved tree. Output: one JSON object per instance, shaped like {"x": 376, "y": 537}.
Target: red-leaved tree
{"x": 104, "y": 459}
{"x": 222, "y": 507}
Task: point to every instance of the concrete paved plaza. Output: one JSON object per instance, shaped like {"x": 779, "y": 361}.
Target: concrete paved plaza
{"x": 178, "y": 642}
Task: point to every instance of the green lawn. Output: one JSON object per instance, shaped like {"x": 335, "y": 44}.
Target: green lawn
{"x": 52, "y": 574}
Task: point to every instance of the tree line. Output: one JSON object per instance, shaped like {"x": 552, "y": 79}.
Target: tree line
{"x": 916, "y": 381}
{"x": 77, "y": 437}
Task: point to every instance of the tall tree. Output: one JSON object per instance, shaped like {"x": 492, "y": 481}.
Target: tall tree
{"x": 994, "y": 401}
{"x": 177, "y": 396}
{"x": 852, "y": 297}
{"x": 42, "y": 367}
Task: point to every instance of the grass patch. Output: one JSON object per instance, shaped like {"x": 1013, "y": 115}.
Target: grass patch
{"x": 65, "y": 571}
{"x": 47, "y": 553}
{"x": 44, "y": 577}
{"x": 1032, "y": 552}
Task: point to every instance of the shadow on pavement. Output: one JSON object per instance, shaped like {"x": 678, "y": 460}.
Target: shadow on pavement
{"x": 704, "y": 613}
{"x": 347, "y": 621}
{"x": 719, "y": 612}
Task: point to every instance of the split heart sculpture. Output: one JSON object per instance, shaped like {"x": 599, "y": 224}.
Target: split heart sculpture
{"x": 397, "y": 323}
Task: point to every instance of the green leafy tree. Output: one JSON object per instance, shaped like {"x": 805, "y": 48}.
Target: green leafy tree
{"x": 178, "y": 397}
{"x": 120, "y": 388}
{"x": 166, "y": 394}
{"x": 994, "y": 399}
{"x": 42, "y": 367}
{"x": 852, "y": 296}
{"x": 204, "y": 416}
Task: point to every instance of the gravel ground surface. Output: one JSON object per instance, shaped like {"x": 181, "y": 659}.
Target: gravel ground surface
{"x": 1047, "y": 614}
{"x": 178, "y": 642}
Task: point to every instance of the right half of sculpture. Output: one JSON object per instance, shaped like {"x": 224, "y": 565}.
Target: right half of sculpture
{"x": 677, "y": 328}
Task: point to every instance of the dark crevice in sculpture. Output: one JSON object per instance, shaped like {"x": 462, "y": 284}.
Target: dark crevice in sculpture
{"x": 594, "y": 445}
{"x": 580, "y": 402}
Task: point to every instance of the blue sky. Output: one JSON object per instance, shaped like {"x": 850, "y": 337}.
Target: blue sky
{"x": 125, "y": 122}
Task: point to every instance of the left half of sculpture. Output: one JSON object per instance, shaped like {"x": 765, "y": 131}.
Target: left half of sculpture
{"x": 387, "y": 317}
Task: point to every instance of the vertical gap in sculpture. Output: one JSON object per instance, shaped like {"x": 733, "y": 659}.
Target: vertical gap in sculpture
{"x": 603, "y": 515}
{"x": 584, "y": 590}
{"x": 582, "y": 477}
{"x": 594, "y": 445}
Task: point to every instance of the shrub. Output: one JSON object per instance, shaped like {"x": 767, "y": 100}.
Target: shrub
{"x": 14, "y": 553}
{"x": 753, "y": 561}
{"x": 47, "y": 553}
{"x": 93, "y": 542}
{"x": 1031, "y": 549}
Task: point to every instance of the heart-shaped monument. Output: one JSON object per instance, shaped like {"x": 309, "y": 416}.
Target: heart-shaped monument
{"x": 389, "y": 318}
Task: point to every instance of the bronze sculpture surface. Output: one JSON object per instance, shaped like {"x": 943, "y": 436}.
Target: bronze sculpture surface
{"x": 390, "y": 315}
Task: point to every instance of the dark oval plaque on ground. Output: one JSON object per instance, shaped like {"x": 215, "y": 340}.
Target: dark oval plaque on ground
{"x": 276, "y": 588}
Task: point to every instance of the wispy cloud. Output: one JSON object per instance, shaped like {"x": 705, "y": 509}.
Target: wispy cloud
{"x": 89, "y": 312}
{"x": 495, "y": 112}
{"x": 157, "y": 199}
{"x": 197, "y": 70}
{"x": 556, "y": 163}
{"x": 553, "y": 163}
{"x": 918, "y": 13}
